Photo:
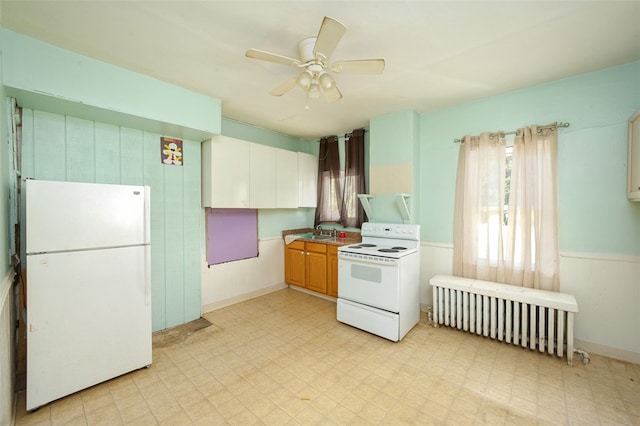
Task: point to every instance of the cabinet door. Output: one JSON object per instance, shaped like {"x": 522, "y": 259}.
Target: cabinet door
{"x": 307, "y": 180}
{"x": 262, "y": 173}
{"x": 225, "y": 173}
{"x": 633, "y": 190}
{"x": 317, "y": 271}
{"x": 294, "y": 261}
{"x": 332, "y": 274}
{"x": 286, "y": 179}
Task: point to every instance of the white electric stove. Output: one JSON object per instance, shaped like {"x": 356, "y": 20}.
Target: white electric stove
{"x": 379, "y": 280}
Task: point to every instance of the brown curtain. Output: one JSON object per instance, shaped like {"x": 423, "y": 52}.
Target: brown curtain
{"x": 329, "y": 188}
{"x": 352, "y": 213}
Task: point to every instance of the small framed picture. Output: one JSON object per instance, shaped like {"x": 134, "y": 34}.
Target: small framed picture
{"x": 171, "y": 151}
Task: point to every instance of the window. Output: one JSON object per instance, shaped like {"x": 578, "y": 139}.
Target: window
{"x": 507, "y": 180}
{"x": 338, "y": 187}
{"x": 506, "y": 213}
{"x": 329, "y": 182}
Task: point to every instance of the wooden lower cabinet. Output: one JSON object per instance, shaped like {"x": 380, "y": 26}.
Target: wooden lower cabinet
{"x": 294, "y": 262}
{"x": 309, "y": 265}
{"x": 332, "y": 276}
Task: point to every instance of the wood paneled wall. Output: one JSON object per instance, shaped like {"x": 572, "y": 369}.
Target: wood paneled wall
{"x": 58, "y": 147}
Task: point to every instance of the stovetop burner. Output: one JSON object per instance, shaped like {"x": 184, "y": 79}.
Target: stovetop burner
{"x": 385, "y": 240}
{"x": 391, "y": 250}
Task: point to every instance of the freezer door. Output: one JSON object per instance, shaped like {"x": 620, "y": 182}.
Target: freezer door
{"x": 62, "y": 216}
{"x": 88, "y": 319}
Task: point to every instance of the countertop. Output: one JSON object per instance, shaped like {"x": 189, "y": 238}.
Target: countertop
{"x": 351, "y": 237}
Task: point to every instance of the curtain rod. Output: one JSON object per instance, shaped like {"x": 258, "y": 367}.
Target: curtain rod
{"x": 346, "y": 135}
{"x": 548, "y": 126}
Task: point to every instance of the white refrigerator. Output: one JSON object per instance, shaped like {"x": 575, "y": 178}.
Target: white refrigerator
{"x": 88, "y": 285}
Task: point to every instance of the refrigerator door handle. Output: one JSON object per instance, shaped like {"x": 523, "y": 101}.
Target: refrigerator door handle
{"x": 147, "y": 241}
{"x": 147, "y": 273}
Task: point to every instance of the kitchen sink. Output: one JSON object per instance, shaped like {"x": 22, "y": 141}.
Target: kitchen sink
{"x": 321, "y": 237}
{"x": 313, "y": 236}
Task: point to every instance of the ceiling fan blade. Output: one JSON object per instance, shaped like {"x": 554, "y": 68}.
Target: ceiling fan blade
{"x": 330, "y": 33}
{"x": 362, "y": 66}
{"x": 284, "y": 88}
{"x": 271, "y": 57}
{"x": 332, "y": 94}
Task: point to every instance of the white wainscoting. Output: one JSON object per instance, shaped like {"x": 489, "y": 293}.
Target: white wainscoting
{"x": 606, "y": 286}
{"x": 7, "y": 353}
{"x": 608, "y": 292}
{"x": 233, "y": 282}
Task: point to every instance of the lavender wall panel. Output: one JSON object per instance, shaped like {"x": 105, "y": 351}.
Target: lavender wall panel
{"x": 232, "y": 234}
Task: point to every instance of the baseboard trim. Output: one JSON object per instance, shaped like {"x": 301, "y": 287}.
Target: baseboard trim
{"x": 241, "y": 298}
{"x": 595, "y": 348}
{"x": 313, "y": 293}
{"x": 8, "y": 393}
{"x": 609, "y": 352}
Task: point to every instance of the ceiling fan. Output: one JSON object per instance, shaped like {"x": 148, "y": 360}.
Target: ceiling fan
{"x": 313, "y": 58}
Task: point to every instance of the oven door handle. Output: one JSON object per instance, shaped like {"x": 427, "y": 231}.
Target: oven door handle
{"x": 372, "y": 261}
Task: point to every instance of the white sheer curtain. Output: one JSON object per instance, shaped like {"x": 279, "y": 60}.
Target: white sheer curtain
{"x": 479, "y": 209}
{"x": 516, "y": 245}
{"x": 532, "y": 251}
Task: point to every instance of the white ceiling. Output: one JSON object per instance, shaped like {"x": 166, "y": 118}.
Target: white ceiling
{"x": 438, "y": 53}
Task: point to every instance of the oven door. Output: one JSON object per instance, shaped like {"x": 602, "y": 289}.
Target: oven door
{"x": 369, "y": 282}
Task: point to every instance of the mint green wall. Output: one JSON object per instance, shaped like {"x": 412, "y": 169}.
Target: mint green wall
{"x": 595, "y": 215}
{"x": 271, "y": 222}
{"x": 86, "y": 120}
{"x": 248, "y": 132}
{"x": 65, "y": 75}
{"x": 56, "y": 147}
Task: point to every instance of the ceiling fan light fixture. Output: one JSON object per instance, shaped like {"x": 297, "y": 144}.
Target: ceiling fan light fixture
{"x": 305, "y": 79}
{"x": 315, "y": 77}
{"x": 325, "y": 80}
{"x": 314, "y": 90}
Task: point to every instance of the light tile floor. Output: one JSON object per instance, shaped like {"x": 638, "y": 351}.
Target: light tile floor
{"x": 284, "y": 359}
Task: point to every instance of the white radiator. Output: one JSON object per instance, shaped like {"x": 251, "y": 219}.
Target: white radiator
{"x": 517, "y": 315}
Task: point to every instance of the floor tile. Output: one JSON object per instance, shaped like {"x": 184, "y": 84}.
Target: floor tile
{"x": 283, "y": 359}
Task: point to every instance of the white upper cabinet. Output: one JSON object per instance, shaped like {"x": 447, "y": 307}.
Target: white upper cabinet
{"x": 286, "y": 179}
{"x": 262, "y": 172}
{"x": 241, "y": 174}
{"x": 307, "y": 180}
{"x": 225, "y": 173}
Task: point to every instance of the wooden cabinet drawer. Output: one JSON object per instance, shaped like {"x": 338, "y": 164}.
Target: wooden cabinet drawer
{"x": 316, "y": 247}
{"x": 297, "y": 245}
